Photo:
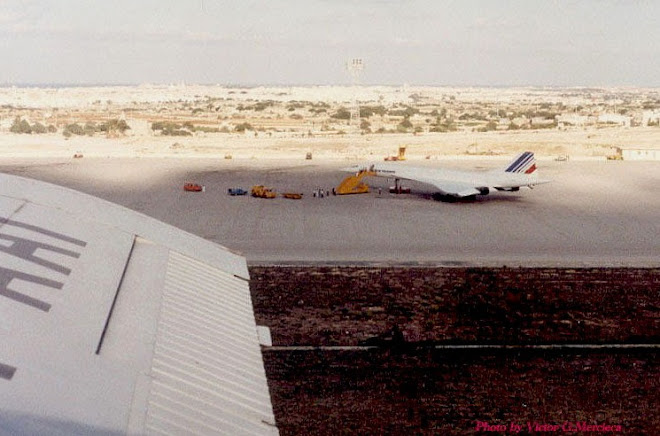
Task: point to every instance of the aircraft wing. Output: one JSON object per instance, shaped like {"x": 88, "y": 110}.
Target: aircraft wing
{"x": 447, "y": 186}
{"x": 452, "y": 187}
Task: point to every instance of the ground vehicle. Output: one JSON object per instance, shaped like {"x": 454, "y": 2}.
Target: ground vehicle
{"x": 236, "y": 191}
{"x": 292, "y": 195}
{"x": 261, "y": 191}
{"x": 400, "y": 156}
{"x": 192, "y": 187}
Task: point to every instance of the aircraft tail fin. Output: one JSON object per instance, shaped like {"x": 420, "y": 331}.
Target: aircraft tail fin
{"x": 524, "y": 163}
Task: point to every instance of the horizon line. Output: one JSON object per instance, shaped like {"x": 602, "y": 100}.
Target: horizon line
{"x": 303, "y": 85}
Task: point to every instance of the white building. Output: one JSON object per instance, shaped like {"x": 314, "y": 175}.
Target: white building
{"x": 650, "y": 117}
{"x": 617, "y": 119}
{"x": 564, "y": 120}
{"x": 640, "y": 153}
{"x": 115, "y": 323}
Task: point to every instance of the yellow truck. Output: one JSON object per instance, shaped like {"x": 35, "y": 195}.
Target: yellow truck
{"x": 260, "y": 191}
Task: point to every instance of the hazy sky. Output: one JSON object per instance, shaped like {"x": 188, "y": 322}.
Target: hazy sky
{"x": 418, "y": 42}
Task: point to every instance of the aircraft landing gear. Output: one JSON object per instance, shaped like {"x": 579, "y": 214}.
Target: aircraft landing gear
{"x": 398, "y": 189}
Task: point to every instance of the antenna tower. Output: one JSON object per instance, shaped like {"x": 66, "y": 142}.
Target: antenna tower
{"x": 355, "y": 67}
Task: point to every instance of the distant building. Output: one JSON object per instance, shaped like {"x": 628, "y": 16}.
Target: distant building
{"x": 565, "y": 120}
{"x": 640, "y": 153}
{"x": 541, "y": 121}
{"x": 620, "y": 120}
{"x": 521, "y": 121}
{"x": 650, "y": 118}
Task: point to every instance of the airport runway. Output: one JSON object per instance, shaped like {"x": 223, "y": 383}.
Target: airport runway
{"x": 594, "y": 213}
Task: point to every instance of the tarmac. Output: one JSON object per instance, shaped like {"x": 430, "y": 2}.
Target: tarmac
{"x": 593, "y": 213}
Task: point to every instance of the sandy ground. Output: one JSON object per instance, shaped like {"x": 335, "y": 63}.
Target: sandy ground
{"x": 593, "y": 212}
{"x": 547, "y": 144}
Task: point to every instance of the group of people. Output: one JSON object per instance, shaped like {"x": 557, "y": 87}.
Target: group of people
{"x": 320, "y": 192}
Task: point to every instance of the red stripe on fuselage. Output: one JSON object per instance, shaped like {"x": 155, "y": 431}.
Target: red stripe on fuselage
{"x": 531, "y": 169}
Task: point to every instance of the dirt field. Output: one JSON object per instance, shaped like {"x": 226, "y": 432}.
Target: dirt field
{"x": 438, "y": 392}
{"x": 326, "y": 306}
{"x": 411, "y": 388}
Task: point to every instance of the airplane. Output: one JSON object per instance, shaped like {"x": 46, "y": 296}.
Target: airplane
{"x": 457, "y": 184}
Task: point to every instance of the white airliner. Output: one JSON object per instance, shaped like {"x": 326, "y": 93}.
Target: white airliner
{"x": 456, "y": 184}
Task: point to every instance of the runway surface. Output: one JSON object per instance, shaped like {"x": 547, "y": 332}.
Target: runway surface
{"x": 593, "y": 213}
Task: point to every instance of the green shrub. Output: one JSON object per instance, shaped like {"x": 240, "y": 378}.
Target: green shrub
{"x": 168, "y": 128}
{"x": 114, "y": 125}
{"x": 407, "y": 112}
{"x": 443, "y": 127}
{"x": 206, "y": 129}
{"x": 20, "y": 126}
{"x": 342, "y": 114}
{"x": 90, "y": 128}
{"x": 404, "y": 125}
{"x": 263, "y": 105}
{"x": 157, "y": 125}
{"x": 180, "y": 132}
{"x": 38, "y": 128}
{"x": 492, "y": 125}
{"x": 74, "y": 129}
{"x": 243, "y": 127}
{"x": 365, "y": 126}
{"x": 367, "y": 111}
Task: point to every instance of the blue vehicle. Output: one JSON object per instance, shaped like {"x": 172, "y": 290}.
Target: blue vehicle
{"x": 236, "y": 191}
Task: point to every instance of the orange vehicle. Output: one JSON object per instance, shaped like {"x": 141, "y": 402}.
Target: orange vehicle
{"x": 292, "y": 195}
{"x": 192, "y": 187}
{"x": 261, "y": 191}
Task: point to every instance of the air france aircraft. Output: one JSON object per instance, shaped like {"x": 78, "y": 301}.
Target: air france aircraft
{"x": 457, "y": 184}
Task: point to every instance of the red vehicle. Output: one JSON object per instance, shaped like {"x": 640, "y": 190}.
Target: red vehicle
{"x": 192, "y": 187}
